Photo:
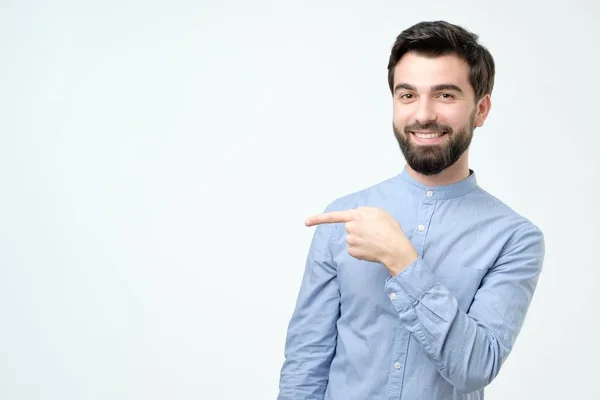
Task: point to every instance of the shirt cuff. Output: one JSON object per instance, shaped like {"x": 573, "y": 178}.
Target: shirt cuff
{"x": 408, "y": 286}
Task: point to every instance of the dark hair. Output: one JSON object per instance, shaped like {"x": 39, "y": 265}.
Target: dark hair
{"x": 437, "y": 38}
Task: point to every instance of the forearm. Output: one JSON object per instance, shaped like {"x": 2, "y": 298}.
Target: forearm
{"x": 305, "y": 375}
{"x": 469, "y": 348}
{"x": 463, "y": 352}
{"x": 309, "y": 350}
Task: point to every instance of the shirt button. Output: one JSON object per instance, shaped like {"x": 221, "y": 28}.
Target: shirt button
{"x": 421, "y": 228}
{"x": 429, "y": 193}
{"x": 393, "y": 296}
{"x": 397, "y": 365}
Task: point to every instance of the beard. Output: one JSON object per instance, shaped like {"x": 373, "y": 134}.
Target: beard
{"x": 433, "y": 159}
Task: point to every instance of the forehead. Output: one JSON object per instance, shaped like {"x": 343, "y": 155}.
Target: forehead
{"x": 424, "y": 72}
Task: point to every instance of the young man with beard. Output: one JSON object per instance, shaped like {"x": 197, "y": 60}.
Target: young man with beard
{"x": 416, "y": 287}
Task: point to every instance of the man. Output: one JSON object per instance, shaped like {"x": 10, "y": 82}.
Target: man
{"x": 417, "y": 287}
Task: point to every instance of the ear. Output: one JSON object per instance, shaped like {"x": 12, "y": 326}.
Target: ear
{"x": 483, "y": 109}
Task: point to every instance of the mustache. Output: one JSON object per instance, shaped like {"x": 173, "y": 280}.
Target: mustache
{"x": 431, "y": 126}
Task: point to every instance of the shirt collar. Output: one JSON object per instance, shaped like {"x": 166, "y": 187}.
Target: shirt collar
{"x": 441, "y": 192}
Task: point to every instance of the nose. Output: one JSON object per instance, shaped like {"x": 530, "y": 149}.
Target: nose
{"x": 425, "y": 111}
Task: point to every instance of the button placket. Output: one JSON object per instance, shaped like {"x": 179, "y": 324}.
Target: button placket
{"x": 423, "y": 219}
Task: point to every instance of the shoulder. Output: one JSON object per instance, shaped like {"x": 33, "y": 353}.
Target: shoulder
{"x": 494, "y": 211}
{"x": 372, "y": 195}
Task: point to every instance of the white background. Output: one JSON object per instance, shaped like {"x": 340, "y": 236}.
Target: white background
{"x": 157, "y": 161}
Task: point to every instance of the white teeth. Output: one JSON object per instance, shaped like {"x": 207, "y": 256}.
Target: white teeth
{"x": 428, "y": 135}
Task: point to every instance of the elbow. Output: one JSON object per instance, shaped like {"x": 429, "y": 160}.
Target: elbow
{"x": 475, "y": 381}
{"x": 472, "y": 384}
{"x": 476, "y": 376}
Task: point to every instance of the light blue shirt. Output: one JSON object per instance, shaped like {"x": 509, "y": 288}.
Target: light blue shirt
{"x": 442, "y": 328}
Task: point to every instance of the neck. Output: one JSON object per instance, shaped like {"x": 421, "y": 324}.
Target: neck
{"x": 454, "y": 173}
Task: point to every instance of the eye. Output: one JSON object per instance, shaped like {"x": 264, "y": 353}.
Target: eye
{"x": 446, "y": 96}
{"x": 406, "y": 96}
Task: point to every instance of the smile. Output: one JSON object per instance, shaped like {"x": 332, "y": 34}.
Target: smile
{"x": 429, "y": 138}
{"x": 429, "y": 135}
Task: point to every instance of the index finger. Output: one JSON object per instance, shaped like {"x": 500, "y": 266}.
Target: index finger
{"x": 330, "y": 217}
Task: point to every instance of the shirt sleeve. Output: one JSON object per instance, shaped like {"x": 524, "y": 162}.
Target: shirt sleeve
{"x": 469, "y": 348}
{"x": 312, "y": 333}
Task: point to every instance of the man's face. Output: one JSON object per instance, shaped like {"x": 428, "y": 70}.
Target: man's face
{"x": 434, "y": 111}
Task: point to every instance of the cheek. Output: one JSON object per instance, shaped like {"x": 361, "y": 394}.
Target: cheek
{"x": 455, "y": 118}
{"x": 401, "y": 116}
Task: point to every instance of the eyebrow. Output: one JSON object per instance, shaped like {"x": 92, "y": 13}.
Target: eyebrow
{"x": 435, "y": 88}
